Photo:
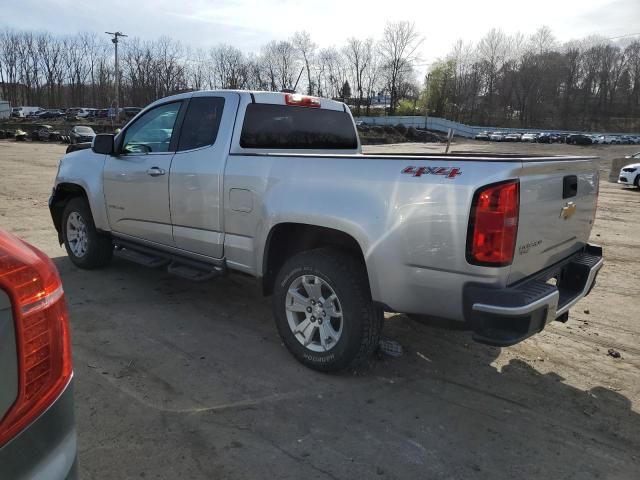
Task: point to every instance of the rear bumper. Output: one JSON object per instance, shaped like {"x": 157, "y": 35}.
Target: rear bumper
{"x": 506, "y": 316}
{"x": 46, "y": 449}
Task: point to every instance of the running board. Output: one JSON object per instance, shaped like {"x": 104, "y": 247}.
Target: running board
{"x": 140, "y": 258}
{"x": 188, "y": 268}
{"x": 196, "y": 274}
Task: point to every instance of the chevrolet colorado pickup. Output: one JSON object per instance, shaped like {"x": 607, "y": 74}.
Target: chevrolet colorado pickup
{"x": 274, "y": 185}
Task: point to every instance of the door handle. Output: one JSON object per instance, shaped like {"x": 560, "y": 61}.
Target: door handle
{"x": 156, "y": 171}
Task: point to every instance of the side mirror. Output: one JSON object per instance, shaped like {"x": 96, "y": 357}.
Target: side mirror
{"x": 103, "y": 144}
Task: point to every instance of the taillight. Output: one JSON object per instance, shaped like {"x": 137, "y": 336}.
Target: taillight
{"x": 301, "y": 100}
{"x": 493, "y": 224}
{"x": 41, "y": 328}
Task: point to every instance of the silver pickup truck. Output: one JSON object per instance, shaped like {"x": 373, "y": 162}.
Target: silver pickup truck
{"x": 274, "y": 185}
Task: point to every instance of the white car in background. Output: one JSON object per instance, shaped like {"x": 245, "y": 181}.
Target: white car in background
{"x": 529, "y": 137}
{"x": 630, "y": 174}
{"x": 497, "y": 136}
{"x": 79, "y": 112}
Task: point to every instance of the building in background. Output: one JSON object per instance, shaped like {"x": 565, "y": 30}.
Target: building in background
{"x": 5, "y": 109}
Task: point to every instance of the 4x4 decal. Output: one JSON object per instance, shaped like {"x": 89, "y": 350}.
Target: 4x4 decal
{"x": 449, "y": 172}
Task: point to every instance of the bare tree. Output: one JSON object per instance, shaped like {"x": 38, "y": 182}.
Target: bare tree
{"x": 170, "y": 66}
{"x": 229, "y": 67}
{"x": 196, "y": 68}
{"x": 399, "y": 49}
{"x": 307, "y": 50}
{"x": 9, "y": 65}
{"x": 333, "y": 72}
{"x": 50, "y": 55}
{"x": 543, "y": 41}
{"x": 281, "y": 65}
{"x": 371, "y": 74}
{"x": 492, "y": 52}
{"x": 358, "y": 54}
{"x": 78, "y": 69}
{"x": 29, "y": 72}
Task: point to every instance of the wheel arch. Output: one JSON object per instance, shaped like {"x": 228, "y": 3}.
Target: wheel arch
{"x": 287, "y": 239}
{"x": 62, "y": 193}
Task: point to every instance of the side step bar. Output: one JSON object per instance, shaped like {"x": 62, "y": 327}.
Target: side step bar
{"x": 176, "y": 265}
{"x": 140, "y": 258}
{"x": 195, "y": 273}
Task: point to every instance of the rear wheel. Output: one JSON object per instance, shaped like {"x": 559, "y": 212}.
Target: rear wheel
{"x": 637, "y": 182}
{"x": 324, "y": 312}
{"x": 87, "y": 248}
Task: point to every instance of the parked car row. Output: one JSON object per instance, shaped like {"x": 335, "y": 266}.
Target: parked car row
{"x": 72, "y": 113}
{"x": 47, "y": 133}
{"x": 550, "y": 137}
{"x": 616, "y": 139}
{"x": 19, "y": 135}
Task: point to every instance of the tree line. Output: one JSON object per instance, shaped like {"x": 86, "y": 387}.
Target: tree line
{"x": 501, "y": 80}
{"x": 38, "y": 68}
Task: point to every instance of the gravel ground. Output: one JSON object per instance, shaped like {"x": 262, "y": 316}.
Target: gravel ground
{"x": 190, "y": 381}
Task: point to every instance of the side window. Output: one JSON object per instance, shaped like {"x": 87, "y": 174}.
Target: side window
{"x": 201, "y": 123}
{"x": 152, "y": 132}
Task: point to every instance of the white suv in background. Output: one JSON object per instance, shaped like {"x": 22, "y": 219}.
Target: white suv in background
{"x": 630, "y": 174}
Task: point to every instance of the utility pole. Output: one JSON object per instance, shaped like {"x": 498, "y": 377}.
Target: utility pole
{"x": 114, "y": 40}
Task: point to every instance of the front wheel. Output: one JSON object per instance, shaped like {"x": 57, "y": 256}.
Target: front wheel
{"x": 324, "y": 312}
{"x": 87, "y": 248}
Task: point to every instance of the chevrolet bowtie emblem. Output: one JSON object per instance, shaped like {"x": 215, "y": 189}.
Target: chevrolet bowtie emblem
{"x": 568, "y": 210}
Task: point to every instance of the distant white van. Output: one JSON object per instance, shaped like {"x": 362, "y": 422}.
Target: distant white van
{"x": 24, "y": 111}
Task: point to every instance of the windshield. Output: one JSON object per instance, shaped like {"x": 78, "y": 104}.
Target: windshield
{"x": 85, "y": 130}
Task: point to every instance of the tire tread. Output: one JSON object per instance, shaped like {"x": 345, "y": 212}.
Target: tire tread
{"x": 332, "y": 261}
{"x": 100, "y": 245}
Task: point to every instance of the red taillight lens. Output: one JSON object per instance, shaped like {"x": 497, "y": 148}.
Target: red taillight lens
{"x": 493, "y": 224}
{"x": 301, "y": 100}
{"x": 41, "y": 328}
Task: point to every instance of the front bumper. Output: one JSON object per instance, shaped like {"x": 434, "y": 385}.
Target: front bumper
{"x": 506, "y": 316}
{"x": 627, "y": 178}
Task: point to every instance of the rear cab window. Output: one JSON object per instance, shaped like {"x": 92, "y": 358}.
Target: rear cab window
{"x": 273, "y": 126}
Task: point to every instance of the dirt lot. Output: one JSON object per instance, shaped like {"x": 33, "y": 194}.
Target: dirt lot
{"x": 190, "y": 381}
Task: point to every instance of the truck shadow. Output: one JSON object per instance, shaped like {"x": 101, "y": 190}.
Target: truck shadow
{"x": 475, "y": 405}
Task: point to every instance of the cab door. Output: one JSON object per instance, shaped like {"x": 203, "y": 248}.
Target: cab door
{"x": 197, "y": 173}
{"x": 136, "y": 179}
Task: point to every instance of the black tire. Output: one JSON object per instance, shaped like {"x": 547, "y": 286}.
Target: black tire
{"x": 362, "y": 320}
{"x": 99, "y": 247}
{"x": 637, "y": 182}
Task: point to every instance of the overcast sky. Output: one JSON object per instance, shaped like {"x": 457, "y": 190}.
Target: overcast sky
{"x": 249, "y": 24}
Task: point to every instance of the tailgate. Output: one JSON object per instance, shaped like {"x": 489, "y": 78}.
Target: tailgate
{"x": 557, "y": 209}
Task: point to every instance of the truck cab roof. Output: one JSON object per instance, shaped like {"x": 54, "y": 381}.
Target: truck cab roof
{"x": 259, "y": 96}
